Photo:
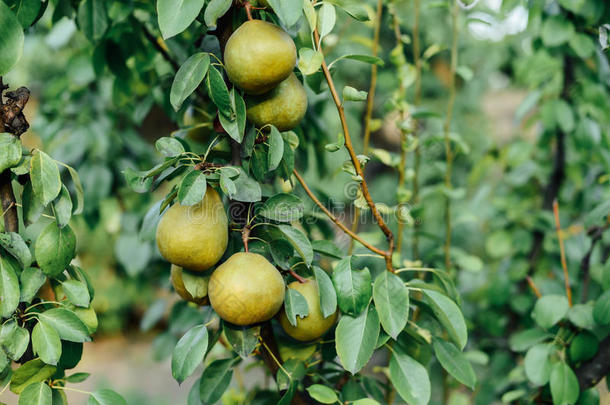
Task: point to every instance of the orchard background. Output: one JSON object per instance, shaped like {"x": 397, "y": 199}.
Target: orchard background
{"x": 445, "y": 192}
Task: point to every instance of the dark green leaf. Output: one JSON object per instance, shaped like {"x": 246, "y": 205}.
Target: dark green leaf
{"x": 93, "y": 19}
{"x": 54, "y": 249}
{"x": 67, "y": 324}
{"x": 326, "y": 290}
{"x": 327, "y": 248}
{"x": 323, "y": 394}
{"x": 44, "y": 173}
{"x": 449, "y": 315}
{"x": 276, "y": 148}
{"x": 601, "y": 310}
{"x": 10, "y": 146}
{"x": 46, "y": 343}
{"x": 189, "y": 352}
{"x": 31, "y": 281}
{"x": 410, "y": 379}
{"x": 299, "y": 241}
{"x": 11, "y": 46}
{"x": 392, "y": 302}
{"x": 355, "y": 339}
{"x": 242, "y": 339}
{"x": 192, "y": 188}
{"x": 9, "y": 287}
{"x": 218, "y": 92}
{"x": 31, "y": 372}
{"x": 14, "y": 339}
{"x": 214, "y": 10}
{"x": 62, "y": 207}
{"x": 295, "y": 305}
{"x": 353, "y": 287}
{"x": 215, "y": 380}
{"x": 454, "y": 361}
{"x": 283, "y": 207}
{"x": 169, "y": 146}
{"x": 289, "y": 11}
{"x": 14, "y": 244}
{"x": 189, "y": 77}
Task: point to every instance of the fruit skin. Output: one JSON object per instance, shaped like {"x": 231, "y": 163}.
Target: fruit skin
{"x": 178, "y": 283}
{"x": 258, "y": 56}
{"x": 313, "y": 325}
{"x": 246, "y": 289}
{"x": 284, "y": 107}
{"x": 194, "y": 237}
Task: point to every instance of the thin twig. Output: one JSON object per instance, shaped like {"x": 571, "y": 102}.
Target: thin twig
{"x": 564, "y": 265}
{"x": 416, "y": 102}
{"x": 535, "y": 289}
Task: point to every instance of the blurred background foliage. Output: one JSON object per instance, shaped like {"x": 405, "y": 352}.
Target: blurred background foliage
{"x": 510, "y": 104}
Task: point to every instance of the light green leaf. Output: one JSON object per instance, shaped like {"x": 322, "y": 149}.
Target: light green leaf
{"x": 289, "y": 11}
{"x": 276, "y": 148}
{"x": 283, "y": 207}
{"x": 410, "y": 379}
{"x": 310, "y": 61}
{"x": 214, "y": 10}
{"x": 46, "y": 343}
{"x": 11, "y": 46}
{"x": 327, "y": 16}
{"x": 353, "y": 287}
{"x": 189, "y": 352}
{"x": 327, "y": 293}
{"x": 36, "y": 394}
{"x": 454, "y": 361}
{"x": 299, "y": 241}
{"x": 564, "y": 385}
{"x": 352, "y": 94}
{"x": 77, "y": 292}
{"x": 54, "y": 249}
{"x": 14, "y": 244}
{"x": 192, "y": 188}
{"x": 31, "y": 372}
{"x": 295, "y": 305}
{"x": 215, "y": 380}
{"x": 10, "y": 145}
{"x": 549, "y": 310}
{"x": 189, "y": 76}
{"x": 31, "y": 281}
{"x": 243, "y": 339}
{"x": 537, "y": 365}
{"x": 44, "y": 173}
{"x": 449, "y": 315}
{"x": 9, "y": 287}
{"x": 62, "y": 207}
{"x": 176, "y": 15}
{"x": 93, "y": 19}
{"x": 322, "y": 393}
{"x": 392, "y": 302}
{"x": 105, "y": 397}
{"x": 355, "y": 339}
{"x": 67, "y": 324}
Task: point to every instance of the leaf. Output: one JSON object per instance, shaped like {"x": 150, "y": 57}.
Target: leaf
{"x": 54, "y": 249}
{"x": 46, "y": 343}
{"x": 521, "y": 341}
{"x": 192, "y": 188}
{"x": 36, "y": 394}
{"x": 327, "y": 248}
{"x": 288, "y": 11}
{"x": 77, "y": 377}
{"x": 77, "y": 292}
{"x": 299, "y": 241}
{"x": 564, "y": 384}
{"x": 27, "y": 11}
{"x": 31, "y": 281}
{"x": 549, "y": 310}
{"x": 581, "y": 315}
{"x": 62, "y": 207}
{"x": 295, "y": 305}
{"x": 537, "y": 365}
{"x": 283, "y": 207}
{"x": 352, "y": 94}
{"x": 44, "y": 173}
{"x": 93, "y": 19}
{"x": 276, "y": 148}
{"x": 189, "y": 352}
{"x": 14, "y": 340}
{"x": 243, "y": 339}
{"x": 10, "y": 146}
{"x": 322, "y": 393}
{"x": 556, "y": 30}
{"x": 362, "y": 58}
{"x": 9, "y": 287}
{"x": 449, "y": 315}
{"x": 218, "y": 92}
{"x": 169, "y": 146}
{"x": 80, "y": 194}
{"x": 355, "y": 339}
{"x": 248, "y": 189}
{"x": 105, "y": 397}
{"x": 14, "y": 244}
{"x": 176, "y": 15}
{"x": 214, "y": 10}
{"x": 11, "y": 46}
{"x": 215, "y": 380}
{"x": 327, "y": 16}
{"x": 310, "y": 14}
{"x": 410, "y": 379}
{"x": 353, "y": 287}
{"x": 454, "y": 361}
{"x": 30, "y": 372}
{"x": 391, "y": 298}
{"x": 67, "y": 324}
{"x": 132, "y": 253}
{"x": 235, "y": 124}
{"x": 310, "y": 61}
{"x": 189, "y": 76}
{"x": 153, "y": 314}
{"x": 601, "y": 310}
{"x": 326, "y": 290}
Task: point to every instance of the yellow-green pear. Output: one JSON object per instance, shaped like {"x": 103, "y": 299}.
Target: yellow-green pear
{"x": 314, "y": 325}
{"x": 194, "y": 237}
{"x": 246, "y": 289}
{"x": 284, "y": 107}
{"x": 198, "y": 285}
{"x": 258, "y": 56}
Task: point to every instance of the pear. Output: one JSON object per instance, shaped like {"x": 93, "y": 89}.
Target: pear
{"x": 314, "y": 325}
{"x": 258, "y": 56}
{"x": 246, "y": 289}
{"x": 200, "y": 123}
{"x": 284, "y": 107}
{"x": 194, "y": 237}
{"x": 198, "y": 285}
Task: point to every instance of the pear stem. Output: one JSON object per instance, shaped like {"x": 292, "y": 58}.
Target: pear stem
{"x": 245, "y": 236}
{"x": 295, "y": 275}
{"x": 248, "y": 8}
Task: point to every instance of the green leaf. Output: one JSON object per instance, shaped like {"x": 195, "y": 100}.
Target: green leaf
{"x": 288, "y": 11}
{"x": 556, "y": 31}
{"x": 327, "y": 16}
{"x": 549, "y": 310}
{"x": 353, "y": 287}
{"x": 537, "y": 365}
{"x": 176, "y": 15}
{"x": 32, "y": 205}
{"x": 355, "y": 339}
{"x": 299, "y": 241}
{"x": 215, "y": 380}
{"x": 564, "y": 385}
{"x": 327, "y": 248}
{"x": 521, "y": 341}
{"x": 214, "y": 10}
{"x": 46, "y": 343}
{"x": 62, "y": 207}
{"x": 189, "y": 76}
{"x": 27, "y": 11}
{"x": 449, "y": 315}
{"x": 601, "y": 310}
{"x": 310, "y": 61}
{"x": 14, "y": 244}
{"x": 67, "y": 324}
{"x": 218, "y": 92}
{"x": 354, "y": 8}
{"x": 352, "y": 94}
{"x": 9, "y": 287}
{"x": 80, "y": 194}
{"x": 36, "y": 394}
{"x": 77, "y": 292}
{"x": 327, "y": 293}
{"x": 310, "y": 15}
{"x": 276, "y": 148}
{"x": 10, "y": 145}
{"x": 454, "y": 361}
{"x": 581, "y": 315}
{"x": 410, "y": 379}
{"x": 373, "y": 60}
{"x": 30, "y": 372}
{"x": 31, "y": 281}
{"x": 132, "y": 253}
{"x": 322, "y": 393}
{"x": 248, "y": 189}
{"x": 598, "y": 214}
{"x": 243, "y": 339}
{"x": 391, "y": 298}
{"x": 283, "y": 207}
{"x": 77, "y": 377}
{"x": 93, "y": 19}
{"x": 189, "y": 352}
{"x": 169, "y": 146}
{"x": 583, "y": 347}
{"x": 54, "y": 249}
{"x": 105, "y": 397}
{"x": 192, "y": 188}
{"x": 295, "y": 305}
{"x": 365, "y": 401}
{"x": 14, "y": 339}
{"x": 11, "y": 46}
{"x": 44, "y": 173}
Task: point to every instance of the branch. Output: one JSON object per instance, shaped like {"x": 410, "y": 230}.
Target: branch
{"x": 335, "y": 219}
{"x": 595, "y": 232}
{"x": 417, "y": 102}
{"x": 591, "y": 372}
{"x": 356, "y": 163}
{"x": 9, "y": 204}
{"x": 155, "y": 43}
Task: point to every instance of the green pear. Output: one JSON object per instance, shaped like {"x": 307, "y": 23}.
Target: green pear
{"x": 284, "y": 107}
{"x": 258, "y": 56}
{"x": 197, "y": 285}
{"x": 314, "y": 325}
{"x": 246, "y": 289}
{"x": 194, "y": 237}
